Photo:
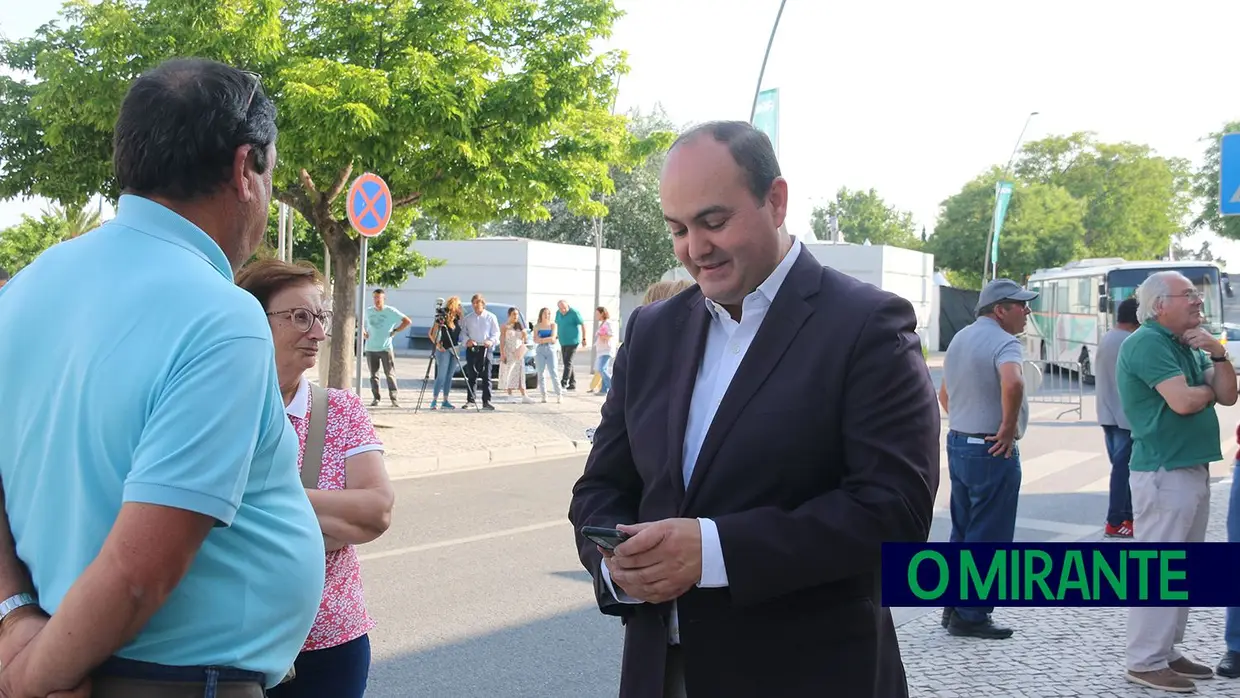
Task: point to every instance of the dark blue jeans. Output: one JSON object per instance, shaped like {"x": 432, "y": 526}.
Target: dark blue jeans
{"x": 985, "y": 492}
{"x": 1232, "y": 632}
{"x": 1119, "y": 450}
{"x": 336, "y": 672}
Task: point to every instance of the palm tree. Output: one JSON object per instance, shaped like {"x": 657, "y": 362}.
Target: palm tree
{"x": 74, "y": 221}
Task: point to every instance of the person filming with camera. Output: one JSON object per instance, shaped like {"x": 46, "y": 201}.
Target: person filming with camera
{"x": 480, "y": 333}
{"x": 445, "y": 335}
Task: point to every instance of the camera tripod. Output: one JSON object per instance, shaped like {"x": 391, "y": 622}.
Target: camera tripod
{"x": 432, "y": 363}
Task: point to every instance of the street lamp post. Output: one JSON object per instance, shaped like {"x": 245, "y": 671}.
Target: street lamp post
{"x": 1007, "y": 171}
{"x": 762, "y": 72}
{"x": 598, "y": 256}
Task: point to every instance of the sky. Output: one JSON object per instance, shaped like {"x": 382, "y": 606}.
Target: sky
{"x": 909, "y": 97}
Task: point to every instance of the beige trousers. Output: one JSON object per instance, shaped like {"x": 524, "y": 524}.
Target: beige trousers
{"x": 1168, "y": 506}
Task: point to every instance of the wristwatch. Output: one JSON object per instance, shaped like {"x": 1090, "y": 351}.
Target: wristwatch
{"x": 15, "y": 602}
{"x": 1220, "y": 359}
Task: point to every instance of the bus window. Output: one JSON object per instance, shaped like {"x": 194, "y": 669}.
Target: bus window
{"x": 1061, "y": 295}
{"x": 1123, "y": 284}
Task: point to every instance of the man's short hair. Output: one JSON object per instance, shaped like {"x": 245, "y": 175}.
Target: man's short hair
{"x": 477, "y": 297}
{"x": 380, "y": 292}
{"x": 181, "y": 124}
{"x": 750, "y": 148}
{"x": 1127, "y": 312}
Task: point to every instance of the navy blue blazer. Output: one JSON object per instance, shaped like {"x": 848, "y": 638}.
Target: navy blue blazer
{"x": 826, "y": 444}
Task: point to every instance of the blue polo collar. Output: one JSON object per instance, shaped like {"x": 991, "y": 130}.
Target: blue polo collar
{"x": 159, "y": 221}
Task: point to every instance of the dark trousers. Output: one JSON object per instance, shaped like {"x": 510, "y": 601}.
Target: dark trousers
{"x": 985, "y": 492}
{"x": 478, "y": 371}
{"x": 127, "y": 678}
{"x": 569, "y": 379}
{"x": 375, "y": 358}
{"x": 1231, "y": 633}
{"x": 1119, "y": 450}
{"x": 335, "y": 672}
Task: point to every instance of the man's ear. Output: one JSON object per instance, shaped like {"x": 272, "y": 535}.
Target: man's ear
{"x": 777, "y": 199}
{"x": 244, "y": 175}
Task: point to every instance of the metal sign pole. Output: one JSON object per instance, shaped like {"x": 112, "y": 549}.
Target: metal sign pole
{"x": 369, "y": 208}
{"x": 280, "y": 213}
{"x": 361, "y": 314}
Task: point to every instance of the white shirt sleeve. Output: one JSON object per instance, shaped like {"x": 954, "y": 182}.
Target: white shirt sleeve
{"x": 714, "y": 572}
{"x": 492, "y": 329}
{"x": 621, "y": 596}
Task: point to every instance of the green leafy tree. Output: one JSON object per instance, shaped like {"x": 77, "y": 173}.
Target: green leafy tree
{"x": 863, "y": 215}
{"x": 1206, "y": 191}
{"x": 1136, "y": 201}
{"x": 1129, "y": 203}
{"x": 22, "y": 243}
{"x": 1042, "y": 228}
{"x": 468, "y": 110}
{"x": 634, "y": 222}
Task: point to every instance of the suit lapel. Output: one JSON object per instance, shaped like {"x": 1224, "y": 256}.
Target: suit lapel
{"x": 784, "y": 319}
{"x": 691, "y": 330}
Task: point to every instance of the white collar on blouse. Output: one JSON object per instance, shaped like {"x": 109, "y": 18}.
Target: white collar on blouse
{"x": 301, "y": 401}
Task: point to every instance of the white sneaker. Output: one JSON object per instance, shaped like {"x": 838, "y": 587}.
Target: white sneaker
{"x": 544, "y": 397}
{"x": 527, "y": 399}
{"x": 559, "y": 399}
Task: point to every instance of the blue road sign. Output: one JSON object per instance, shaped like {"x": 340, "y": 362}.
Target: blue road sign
{"x": 1229, "y": 171}
{"x": 370, "y": 205}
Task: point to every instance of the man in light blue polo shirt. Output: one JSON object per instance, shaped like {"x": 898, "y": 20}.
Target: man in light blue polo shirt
{"x": 149, "y": 472}
{"x": 382, "y": 323}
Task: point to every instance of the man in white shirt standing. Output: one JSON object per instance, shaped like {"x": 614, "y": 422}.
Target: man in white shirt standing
{"x": 479, "y": 332}
{"x": 756, "y": 525}
{"x": 1115, "y": 427}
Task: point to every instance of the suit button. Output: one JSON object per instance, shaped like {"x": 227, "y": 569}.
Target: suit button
{"x": 736, "y": 349}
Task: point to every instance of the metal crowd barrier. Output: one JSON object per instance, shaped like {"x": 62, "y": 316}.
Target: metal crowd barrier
{"x": 1055, "y": 384}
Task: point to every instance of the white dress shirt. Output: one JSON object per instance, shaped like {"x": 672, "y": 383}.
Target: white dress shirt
{"x": 727, "y": 342}
{"x": 480, "y": 328}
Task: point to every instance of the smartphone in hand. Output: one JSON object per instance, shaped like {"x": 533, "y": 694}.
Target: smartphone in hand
{"x": 605, "y": 538}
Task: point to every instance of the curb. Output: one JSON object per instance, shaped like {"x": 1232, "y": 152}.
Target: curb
{"x": 422, "y": 466}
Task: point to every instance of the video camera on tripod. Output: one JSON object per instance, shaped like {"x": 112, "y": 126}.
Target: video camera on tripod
{"x": 444, "y": 339}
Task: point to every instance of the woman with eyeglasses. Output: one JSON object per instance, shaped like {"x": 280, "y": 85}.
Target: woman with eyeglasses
{"x": 353, "y": 498}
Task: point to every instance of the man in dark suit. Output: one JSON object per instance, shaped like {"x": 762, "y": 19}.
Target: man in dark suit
{"x": 766, "y": 431}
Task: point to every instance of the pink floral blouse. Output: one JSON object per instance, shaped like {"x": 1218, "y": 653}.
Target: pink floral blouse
{"x": 342, "y": 614}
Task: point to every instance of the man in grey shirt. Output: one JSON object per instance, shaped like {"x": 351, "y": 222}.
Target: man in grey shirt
{"x": 983, "y": 384}
{"x": 1115, "y": 427}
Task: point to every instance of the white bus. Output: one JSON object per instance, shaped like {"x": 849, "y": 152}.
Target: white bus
{"x": 1077, "y": 302}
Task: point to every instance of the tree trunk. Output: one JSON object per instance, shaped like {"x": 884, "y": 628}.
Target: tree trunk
{"x": 343, "y": 362}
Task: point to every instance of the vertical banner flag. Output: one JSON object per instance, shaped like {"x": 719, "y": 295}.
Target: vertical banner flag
{"x": 766, "y": 116}
{"x": 1003, "y": 194}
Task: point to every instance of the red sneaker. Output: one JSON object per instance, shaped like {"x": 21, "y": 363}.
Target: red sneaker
{"x": 1123, "y": 530}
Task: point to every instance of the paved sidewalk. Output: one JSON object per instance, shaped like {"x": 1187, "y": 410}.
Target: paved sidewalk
{"x": 429, "y": 442}
{"x": 446, "y": 440}
{"x": 1056, "y": 652}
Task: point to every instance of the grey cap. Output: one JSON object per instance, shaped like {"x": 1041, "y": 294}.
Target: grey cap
{"x": 1003, "y": 290}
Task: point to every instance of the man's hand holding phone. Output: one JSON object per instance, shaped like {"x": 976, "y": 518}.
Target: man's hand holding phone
{"x": 659, "y": 561}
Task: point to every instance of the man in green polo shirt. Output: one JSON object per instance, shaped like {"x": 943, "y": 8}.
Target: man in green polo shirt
{"x": 1170, "y": 374}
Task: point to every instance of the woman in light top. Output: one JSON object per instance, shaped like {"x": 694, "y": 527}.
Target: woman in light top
{"x": 512, "y": 355}
{"x": 605, "y": 341}
{"x": 546, "y": 343}
{"x": 353, "y": 498}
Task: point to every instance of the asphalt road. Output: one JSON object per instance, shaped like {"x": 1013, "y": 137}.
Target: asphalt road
{"x": 478, "y": 591}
